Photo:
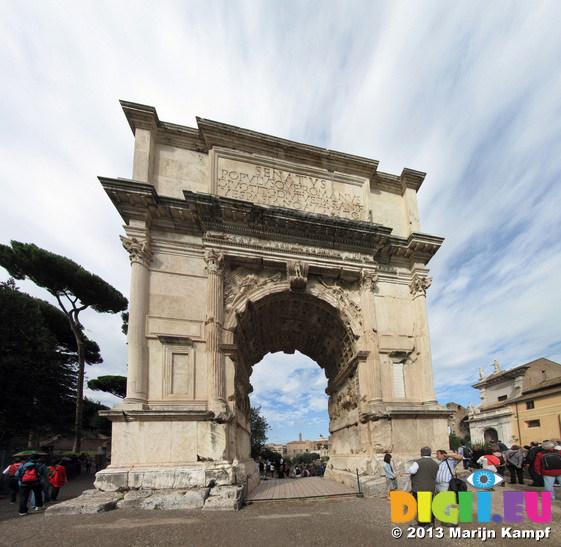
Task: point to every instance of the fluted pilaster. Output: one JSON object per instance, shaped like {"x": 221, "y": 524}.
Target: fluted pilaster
{"x": 418, "y": 289}
{"x": 213, "y": 330}
{"x": 370, "y": 380}
{"x": 137, "y": 376}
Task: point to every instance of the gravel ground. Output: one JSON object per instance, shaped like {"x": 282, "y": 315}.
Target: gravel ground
{"x": 323, "y": 522}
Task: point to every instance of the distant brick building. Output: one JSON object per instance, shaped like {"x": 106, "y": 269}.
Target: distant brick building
{"x": 320, "y": 445}
{"x": 458, "y": 421}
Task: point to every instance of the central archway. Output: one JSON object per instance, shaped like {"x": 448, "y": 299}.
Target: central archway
{"x": 272, "y": 318}
{"x": 288, "y": 321}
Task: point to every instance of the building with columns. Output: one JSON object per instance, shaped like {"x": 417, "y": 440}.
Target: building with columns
{"x": 506, "y": 411}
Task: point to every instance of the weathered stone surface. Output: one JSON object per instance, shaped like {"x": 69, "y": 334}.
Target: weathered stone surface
{"x": 91, "y": 501}
{"x": 170, "y": 499}
{"x": 134, "y": 499}
{"x": 243, "y": 244}
{"x": 226, "y": 498}
{"x": 112, "y": 481}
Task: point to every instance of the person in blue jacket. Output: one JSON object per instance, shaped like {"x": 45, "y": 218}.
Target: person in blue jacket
{"x": 25, "y": 487}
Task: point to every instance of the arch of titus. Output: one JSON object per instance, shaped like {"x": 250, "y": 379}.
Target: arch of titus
{"x": 243, "y": 244}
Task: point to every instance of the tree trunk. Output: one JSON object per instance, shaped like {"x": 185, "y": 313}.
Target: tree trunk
{"x": 76, "y": 447}
{"x": 79, "y": 396}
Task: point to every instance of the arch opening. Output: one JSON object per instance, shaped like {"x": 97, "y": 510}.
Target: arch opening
{"x": 290, "y": 390}
{"x": 287, "y": 322}
{"x": 490, "y": 435}
{"x": 290, "y": 321}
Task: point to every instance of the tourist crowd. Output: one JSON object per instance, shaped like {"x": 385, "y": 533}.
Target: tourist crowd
{"x": 37, "y": 478}
{"x": 282, "y": 470}
{"x": 542, "y": 460}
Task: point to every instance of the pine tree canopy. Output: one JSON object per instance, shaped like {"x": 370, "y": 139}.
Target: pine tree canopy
{"x": 61, "y": 276}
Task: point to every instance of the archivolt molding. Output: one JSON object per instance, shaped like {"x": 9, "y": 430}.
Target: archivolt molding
{"x": 343, "y": 296}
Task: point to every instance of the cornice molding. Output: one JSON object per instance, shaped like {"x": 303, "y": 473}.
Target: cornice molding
{"x": 200, "y": 213}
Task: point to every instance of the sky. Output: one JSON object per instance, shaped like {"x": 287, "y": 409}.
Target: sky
{"x": 468, "y": 92}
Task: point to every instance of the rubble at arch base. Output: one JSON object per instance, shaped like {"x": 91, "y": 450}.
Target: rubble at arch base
{"x": 242, "y": 244}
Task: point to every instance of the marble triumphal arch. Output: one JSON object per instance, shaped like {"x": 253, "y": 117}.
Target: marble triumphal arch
{"x": 243, "y": 244}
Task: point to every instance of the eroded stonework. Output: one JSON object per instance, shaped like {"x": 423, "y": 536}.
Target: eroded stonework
{"x": 242, "y": 244}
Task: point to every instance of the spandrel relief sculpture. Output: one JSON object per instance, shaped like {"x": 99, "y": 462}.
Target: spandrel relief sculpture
{"x": 241, "y": 282}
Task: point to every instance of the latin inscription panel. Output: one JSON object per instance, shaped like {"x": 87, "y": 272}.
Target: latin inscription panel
{"x": 284, "y": 185}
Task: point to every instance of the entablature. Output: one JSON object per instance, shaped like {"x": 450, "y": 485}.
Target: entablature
{"x": 201, "y": 214}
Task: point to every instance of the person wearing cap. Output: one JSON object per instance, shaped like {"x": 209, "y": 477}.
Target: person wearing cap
{"x": 550, "y": 476}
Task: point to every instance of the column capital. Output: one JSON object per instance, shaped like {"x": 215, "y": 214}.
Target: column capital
{"x": 214, "y": 262}
{"x": 139, "y": 250}
{"x": 368, "y": 280}
{"x": 419, "y": 285}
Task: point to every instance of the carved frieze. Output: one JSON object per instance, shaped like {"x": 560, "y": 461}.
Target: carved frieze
{"x": 292, "y": 248}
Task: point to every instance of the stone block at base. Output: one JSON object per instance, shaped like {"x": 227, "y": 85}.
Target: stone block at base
{"x": 226, "y": 498}
{"x": 165, "y": 499}
{"x": 91, "y": 501}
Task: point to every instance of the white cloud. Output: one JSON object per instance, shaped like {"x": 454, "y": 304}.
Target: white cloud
{"x": 469, "y": 92}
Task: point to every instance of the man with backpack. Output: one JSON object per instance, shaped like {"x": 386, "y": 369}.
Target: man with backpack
{"x": 548, "y": 464}
{"x": 29, "y": 476}
{"x": 466, "y": 452}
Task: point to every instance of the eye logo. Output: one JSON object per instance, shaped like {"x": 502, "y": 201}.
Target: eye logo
{"x": 484, "y": 479}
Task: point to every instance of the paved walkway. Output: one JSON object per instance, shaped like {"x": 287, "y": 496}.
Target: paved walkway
{"x": 321, "y": 522}
{"x": 72, "y": 489}
{"x": 309, "y": 487}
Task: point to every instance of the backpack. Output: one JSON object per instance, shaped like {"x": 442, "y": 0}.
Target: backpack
{"x": 30, "y": 475}
{"x": 14, "y": 467}
{"x": 468, "y": 452}
{"x": 551, "y": 460}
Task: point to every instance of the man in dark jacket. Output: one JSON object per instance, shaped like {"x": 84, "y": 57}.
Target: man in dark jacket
{"x": 423, "y": 476}
{"x": 26, "y": 487}
{"x": 530, "y": 460}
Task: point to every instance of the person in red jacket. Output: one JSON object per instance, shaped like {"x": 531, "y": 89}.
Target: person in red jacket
{"x": 10, "y": 473}
{"x": 57, "y": 479}
{"x": 550, "y": 475}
